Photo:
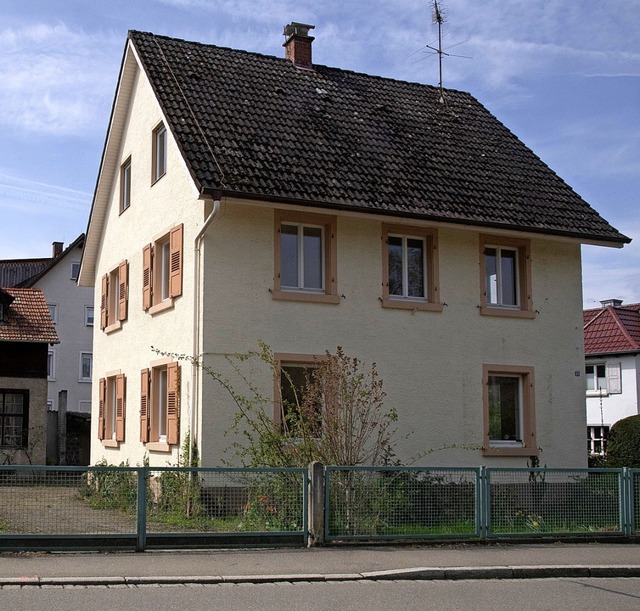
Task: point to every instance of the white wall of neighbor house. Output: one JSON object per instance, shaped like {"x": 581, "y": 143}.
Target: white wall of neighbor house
{"x": 615, "y": 405}
{"x": 155, "y": 208}
{"x": 431, "y": 362}
{"x": 70, "y": 301}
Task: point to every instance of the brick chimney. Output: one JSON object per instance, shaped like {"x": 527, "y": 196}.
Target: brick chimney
{"x": 57, "y": 249}
{"x": 297, "y": 47}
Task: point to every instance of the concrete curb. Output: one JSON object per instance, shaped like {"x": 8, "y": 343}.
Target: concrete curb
{"x": 418, "y": 573}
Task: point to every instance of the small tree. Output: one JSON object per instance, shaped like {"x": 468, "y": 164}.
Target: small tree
{"x": 623, "y": 445}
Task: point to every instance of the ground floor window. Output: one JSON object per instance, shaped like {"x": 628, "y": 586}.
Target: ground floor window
{"x": 160, "y": 404}
{"x": 597, "y": 439}
{"x": 509, "y": 411}
{"x": 14, "y": 417}
{"x": 111, "y": 415}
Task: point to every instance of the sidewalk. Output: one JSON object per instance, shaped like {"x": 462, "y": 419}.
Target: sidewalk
{"x": 453, "y": 561}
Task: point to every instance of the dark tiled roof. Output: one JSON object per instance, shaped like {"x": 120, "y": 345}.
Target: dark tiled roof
{"x": 612, "y": 329}
{"x": 28, "y": 318}
{"x": 15, "y": 271}
{"x": 257, "y": 126}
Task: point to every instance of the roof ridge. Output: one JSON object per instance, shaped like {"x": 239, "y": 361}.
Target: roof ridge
{"x": 595, "y": 317}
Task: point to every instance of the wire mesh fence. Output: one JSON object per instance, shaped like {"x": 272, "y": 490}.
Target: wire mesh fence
{"x": 145, "y": 507}
{"x": 226, "y": 500}
{"x": 397, "y": 502}
{"x": 538, "y": 502}
{"x": 137, "y": 502}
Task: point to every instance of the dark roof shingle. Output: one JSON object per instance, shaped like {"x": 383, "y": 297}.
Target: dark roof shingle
{"x": 28, "y": 318}
{"x": 257, "y": 126}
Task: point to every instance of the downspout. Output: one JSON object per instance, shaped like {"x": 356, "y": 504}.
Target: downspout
{"x": 197, "y": 312}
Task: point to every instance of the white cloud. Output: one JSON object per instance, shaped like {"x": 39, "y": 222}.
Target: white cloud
{"x": 56, "y": 80}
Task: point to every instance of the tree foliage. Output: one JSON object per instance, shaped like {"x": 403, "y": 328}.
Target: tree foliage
{"x": 623, "y": 445}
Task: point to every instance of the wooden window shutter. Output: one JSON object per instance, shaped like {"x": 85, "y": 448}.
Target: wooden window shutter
{"x": 121, "y": 390}
{"x": 173, "y": 403}
{"x": 146, "y": 277}
{"x": 175, "y": 274}
{"x": 144, "y": 406}
{"x": 123, "y": 290}
{"x": 104, "y": 300}
{"x": 101, "y": 398}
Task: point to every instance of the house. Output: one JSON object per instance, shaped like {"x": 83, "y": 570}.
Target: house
{"x": 612, "y": 367}
{"x": 70, "y": 362}
{"x": 243, "y": 196}
{"x": 26, "y": 331}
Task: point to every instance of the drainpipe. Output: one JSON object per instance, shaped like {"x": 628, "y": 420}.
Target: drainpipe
{"x": 197, "y": 314}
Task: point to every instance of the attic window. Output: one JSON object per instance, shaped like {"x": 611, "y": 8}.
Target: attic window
{"x": 159, "y": 152}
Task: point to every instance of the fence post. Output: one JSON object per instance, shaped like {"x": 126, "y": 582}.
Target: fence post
{"x": 316, "y": 504}
{"x": 483, "y": 502}
{"x": 626, "y": 501}
{"x": 141, "y": 522}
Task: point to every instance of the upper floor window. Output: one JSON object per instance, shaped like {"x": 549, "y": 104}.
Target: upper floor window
{"x": 51, "y": 365}
{"x": 86, "y": 366}
{"x": 125, "y": 185}
{"x": 505, "y": 265}
{"x": 305, "y": 257}
{"x": 162, "y": 271}
{"x": 509, "y": 418}
{"x": 604, "y": 378}
{"x": 159, "y": 152}
{"x": 115, "y": 297}
{"x": 53, "y": 312}
{"x": 75, "y": 270}
{"x": 88, "y": 316}
{"x": 409, "y": 268}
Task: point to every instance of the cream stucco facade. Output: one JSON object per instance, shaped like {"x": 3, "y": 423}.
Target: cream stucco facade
{"x": 432, "y": 362}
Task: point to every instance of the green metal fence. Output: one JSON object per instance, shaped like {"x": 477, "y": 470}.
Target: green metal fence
{"x": 400, "y": 503}
{"x": 387, "y": 503}
{"x": 163, "y": 507}
{"x": 141, "y": 507}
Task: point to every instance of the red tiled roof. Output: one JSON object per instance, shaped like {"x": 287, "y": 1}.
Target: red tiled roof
{"x": 28, "y": 318}
{"x": 612, "y": 329}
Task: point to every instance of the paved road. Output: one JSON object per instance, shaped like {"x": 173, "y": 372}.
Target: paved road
{"x": 494, "y": 595}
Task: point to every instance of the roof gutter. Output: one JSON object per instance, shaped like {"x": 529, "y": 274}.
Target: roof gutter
{"x": 196, "y": 364}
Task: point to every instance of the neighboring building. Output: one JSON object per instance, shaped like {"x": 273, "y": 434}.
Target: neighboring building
{"x": 26, "y": 332}
{"x": 612, "y": 357}
{"x": 70, "y": 362}
{"x": 243, "y": 197}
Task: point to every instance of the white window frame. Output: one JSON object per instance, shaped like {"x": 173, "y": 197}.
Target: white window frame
{"x": 82, "y": 378}
{"x": 597, "y": 436}
{"x": 51, "y": 365}
{"x": 612, "y": 378}
{"x": 75, "y": 270}
{"x": 53, "y": 312}
{"x": 125, "y": 185}
{"x": 159, "y": 152}
{"x": 498, "y": 302}
{"x": 300, "y": 287}
{"x": 89, "y": 319}
{"x": 405, "y": 267}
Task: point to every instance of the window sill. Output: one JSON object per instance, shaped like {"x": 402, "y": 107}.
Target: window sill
{"x": 411, "y": 304}
{"x": 597, "y": 393}
{"x": 116, "y": 326}
{"x": 84, "y": 381}
{"x": 167, "y": 304}
{"x": 506, "y": 312}
{"x": 509, "y": 451}
{"x": 110, "y": 443}
{"x": 308, "y": 297}
{"x": 158, "y": 446}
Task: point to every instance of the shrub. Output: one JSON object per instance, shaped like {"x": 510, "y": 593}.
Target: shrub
{"x": 623, "y": 446}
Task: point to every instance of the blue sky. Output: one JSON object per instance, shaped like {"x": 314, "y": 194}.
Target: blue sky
{"x": 563, "y": 75}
